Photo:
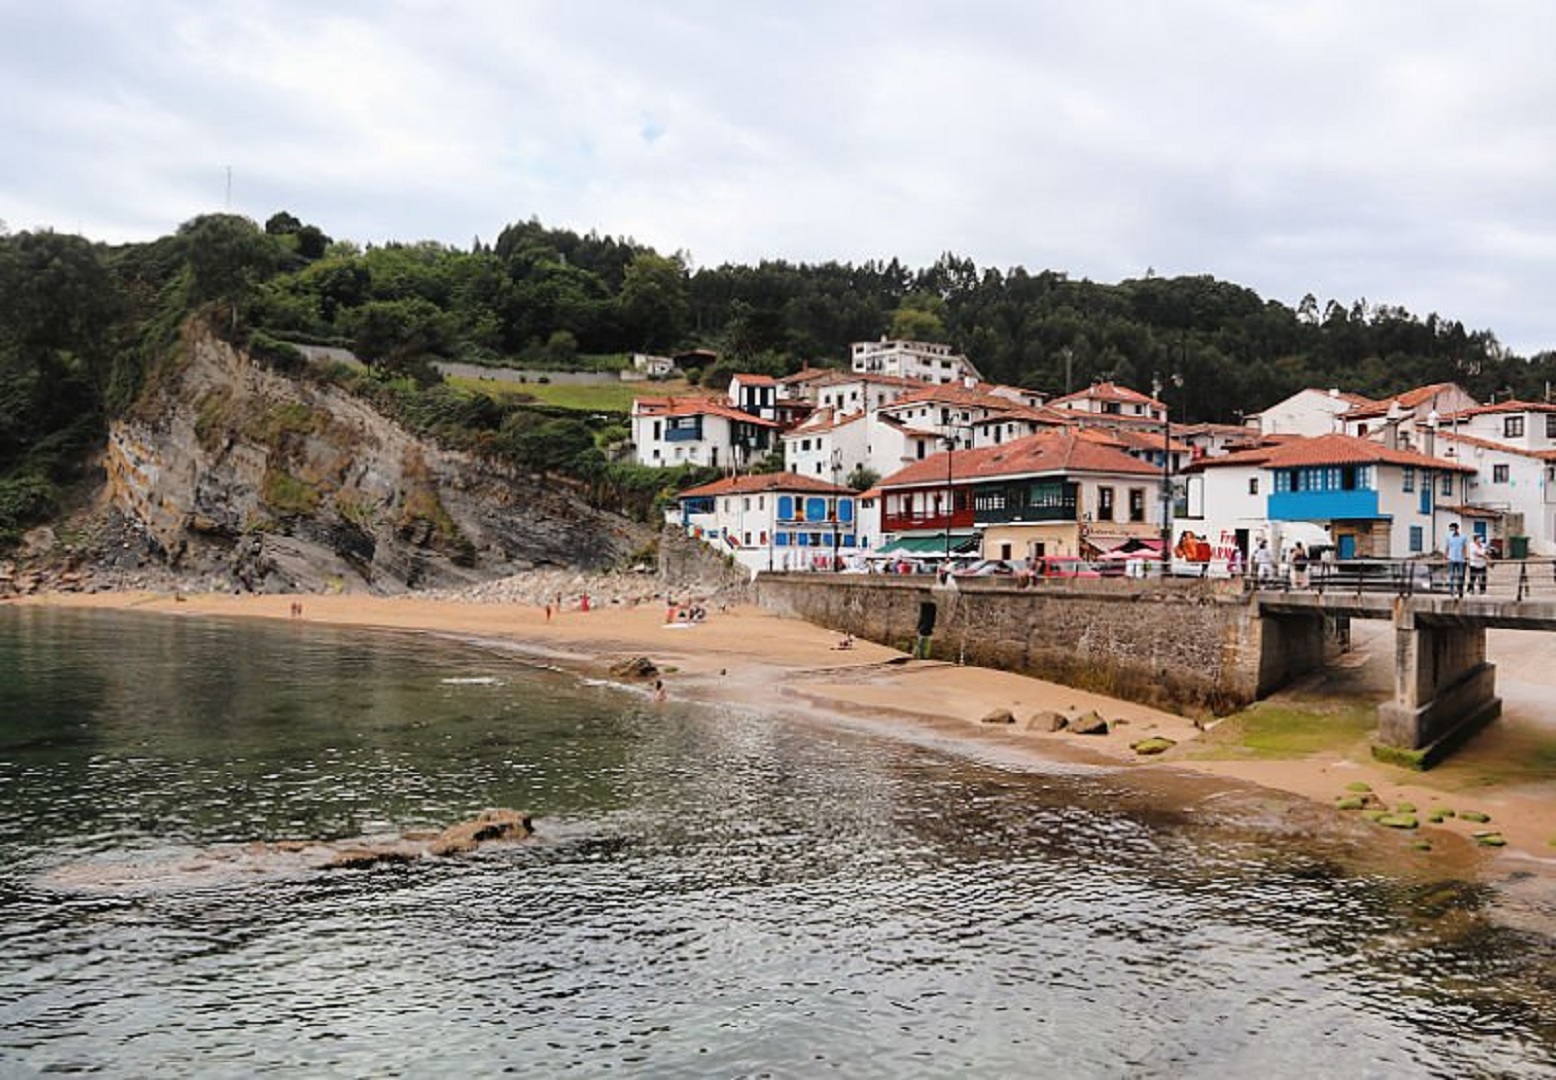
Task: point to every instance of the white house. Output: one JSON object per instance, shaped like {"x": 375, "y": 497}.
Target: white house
{"x": 828, "y": 445}
{"x": 1512, "y": 447}
{"x": 1404, "y": 420}
{"x": 653, "y": 367}
{"x": 1372, "y": 500}
{"x": 1112, "y": 402}
{"x": 755, "y": 394}
{"x": 674, "y": 431}
{"x": 774, "y": 521}
{"x": 1308, "y": 412}
{"x": 922, "y": 361}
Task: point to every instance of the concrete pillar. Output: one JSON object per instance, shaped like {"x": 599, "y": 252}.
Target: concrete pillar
{"x": 1290, "y": 645}
{"x": 1444, "y": 690}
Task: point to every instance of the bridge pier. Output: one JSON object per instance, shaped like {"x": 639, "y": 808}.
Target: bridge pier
{"x": 1444, "y": 689}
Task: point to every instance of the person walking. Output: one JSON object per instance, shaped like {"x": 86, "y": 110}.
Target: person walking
{"x": 1478, "y": 559}
{"x": 1263, "y": 562}
{"x": 1457, "y": 550}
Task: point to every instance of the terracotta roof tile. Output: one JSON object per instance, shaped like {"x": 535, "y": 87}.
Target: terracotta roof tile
{"x": 753, "y": 483}
{"x": 1062, "y": 451}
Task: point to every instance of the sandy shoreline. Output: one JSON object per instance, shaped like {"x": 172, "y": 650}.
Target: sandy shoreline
{"x": 746, "y": 656}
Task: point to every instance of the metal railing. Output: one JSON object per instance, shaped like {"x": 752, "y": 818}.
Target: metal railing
{"x": 1505, "y": 579}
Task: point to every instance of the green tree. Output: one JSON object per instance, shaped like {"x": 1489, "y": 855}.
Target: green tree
{"x": 653, "y": 300}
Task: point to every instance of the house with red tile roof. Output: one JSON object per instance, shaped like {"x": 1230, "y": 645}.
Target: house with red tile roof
{"x": 670, "y": 431}
{"x": 1403, "y": 419}
{"x": 1112, "y": 402}
{"x": 1367, "y": 499}
{"x": 774, "y": 521}
{"x": 1309, "y": 412}
{"x": 1512, "y": 447}
{"x": 1058, "y": 493}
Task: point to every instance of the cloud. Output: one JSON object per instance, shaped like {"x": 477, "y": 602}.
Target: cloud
{"x": 1398, "y": 151}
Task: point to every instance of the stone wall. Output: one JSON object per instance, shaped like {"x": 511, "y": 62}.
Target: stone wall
{"x": 1184, "y": 646}
{"x": 687, "y": 565}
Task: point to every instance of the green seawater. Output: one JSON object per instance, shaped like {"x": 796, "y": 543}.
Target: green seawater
{"x": 711, "y": 892}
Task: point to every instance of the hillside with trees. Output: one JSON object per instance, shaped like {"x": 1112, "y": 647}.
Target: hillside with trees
{"x": 85, "y": 327}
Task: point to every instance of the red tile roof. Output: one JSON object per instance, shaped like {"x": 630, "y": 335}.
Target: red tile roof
{"x": 1108, "y": 391}
{"x": 1510, "y": 406}
{"x": 752, "y": 483}
{"x": 695, "y": 406}
{"x": 1346, "y": 450}
{"x": 1410, "y": 399}
{"x": 1061, "y": 451}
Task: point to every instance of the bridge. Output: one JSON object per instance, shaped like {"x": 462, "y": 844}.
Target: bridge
{"x": 1444, "y": 688}
{"x": 1191, "y": 643}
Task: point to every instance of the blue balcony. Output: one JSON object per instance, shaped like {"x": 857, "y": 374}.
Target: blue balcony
{"x": 1323, "y": 506}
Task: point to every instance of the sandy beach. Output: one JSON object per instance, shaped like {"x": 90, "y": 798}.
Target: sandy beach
{"x": 744, "y": 656}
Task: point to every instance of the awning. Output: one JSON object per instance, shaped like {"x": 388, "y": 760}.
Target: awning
{"x": 925, "y": 547}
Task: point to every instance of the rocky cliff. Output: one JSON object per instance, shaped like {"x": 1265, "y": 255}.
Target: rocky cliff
{"x": 236, "y": 474}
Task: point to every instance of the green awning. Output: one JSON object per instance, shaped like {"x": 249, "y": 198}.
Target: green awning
{"x": 929, "y": 546}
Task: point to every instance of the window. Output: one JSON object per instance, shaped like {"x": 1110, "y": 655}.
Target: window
{"x": 1499, "y": 474}
{"x": 1105, "y": 504}
{"x": 1513, "y": 427}
{"x": 1417, "y": 539}
{"x": 1253, "y": 485}
{"x": 1137, "y": 504}
{"x": 1447, "y": 483}
{"x": 1408, "y": 479}
{"x": 1550, "y": 425}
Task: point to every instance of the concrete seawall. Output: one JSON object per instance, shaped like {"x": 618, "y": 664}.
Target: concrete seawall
{"x": 1189, "y": 647}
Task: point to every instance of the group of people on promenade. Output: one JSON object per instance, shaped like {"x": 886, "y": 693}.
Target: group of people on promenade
{"x": 1468, "y": 559}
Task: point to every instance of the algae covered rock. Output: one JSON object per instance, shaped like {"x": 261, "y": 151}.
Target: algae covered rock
{"x": 1490, "y": 838}
{"x": 1350, "y": 802}
{"x": 1475, "y": 816}
{"x": 1358, "y": 786}
{"x": 1399, "y": 821}
{"x": 1156, "y": 744}
{"x": 634, "y": 667}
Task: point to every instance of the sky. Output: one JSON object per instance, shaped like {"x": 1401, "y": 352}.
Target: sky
{"x": 1401, "y": 152}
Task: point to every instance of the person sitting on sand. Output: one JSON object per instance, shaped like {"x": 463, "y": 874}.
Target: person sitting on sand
{"x": 846, "y": 643}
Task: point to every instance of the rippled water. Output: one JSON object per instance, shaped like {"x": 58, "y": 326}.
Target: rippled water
{"x": 709, "y": 894}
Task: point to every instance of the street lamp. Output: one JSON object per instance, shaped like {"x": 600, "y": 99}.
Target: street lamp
{"x": 1156, "y": 392}
{"x": 837, "y": 465}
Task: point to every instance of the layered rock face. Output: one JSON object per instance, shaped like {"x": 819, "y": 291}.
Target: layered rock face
{"x": 249, "y": 479}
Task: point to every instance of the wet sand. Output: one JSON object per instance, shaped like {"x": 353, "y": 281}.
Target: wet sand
{"x": 750, "y": 658}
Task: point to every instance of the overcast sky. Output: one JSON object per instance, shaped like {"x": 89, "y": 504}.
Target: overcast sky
{"x": 1404, "y": 152}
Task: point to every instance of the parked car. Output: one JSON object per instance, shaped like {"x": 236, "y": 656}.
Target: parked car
{"x": 986, "y": 568}
{"x": 1061, "y": 566}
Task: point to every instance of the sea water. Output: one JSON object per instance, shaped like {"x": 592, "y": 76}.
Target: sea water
{"x": 710, "y": 892}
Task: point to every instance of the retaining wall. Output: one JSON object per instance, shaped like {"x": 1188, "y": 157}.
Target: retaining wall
{"x": 1183, "y": 646}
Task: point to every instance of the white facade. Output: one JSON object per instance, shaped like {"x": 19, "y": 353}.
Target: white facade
{"x": 1307, "y": 412}
{"x": 671, "y": 432}
{"x": 775, "y": 522}
{"x": 924, "y": 361}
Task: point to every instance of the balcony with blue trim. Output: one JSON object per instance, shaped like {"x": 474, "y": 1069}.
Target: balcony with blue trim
{"x": 1323, "y": 506}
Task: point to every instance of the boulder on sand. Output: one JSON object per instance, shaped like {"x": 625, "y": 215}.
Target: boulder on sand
{"x": 635, "y": 667}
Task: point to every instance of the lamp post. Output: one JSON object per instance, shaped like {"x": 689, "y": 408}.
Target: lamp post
{"x": 837, "y": 465}
{"x": 1156, "y": 392}
{"x": 950, "y": 496}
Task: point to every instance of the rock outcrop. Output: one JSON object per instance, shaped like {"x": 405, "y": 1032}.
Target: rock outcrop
{"x": 240, "y": 477}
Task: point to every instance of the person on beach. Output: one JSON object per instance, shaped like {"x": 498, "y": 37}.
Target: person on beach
{"x": 1456, "y": 547}
{"x": 1479, "y": 559}
{"x": 659, "y": 690}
